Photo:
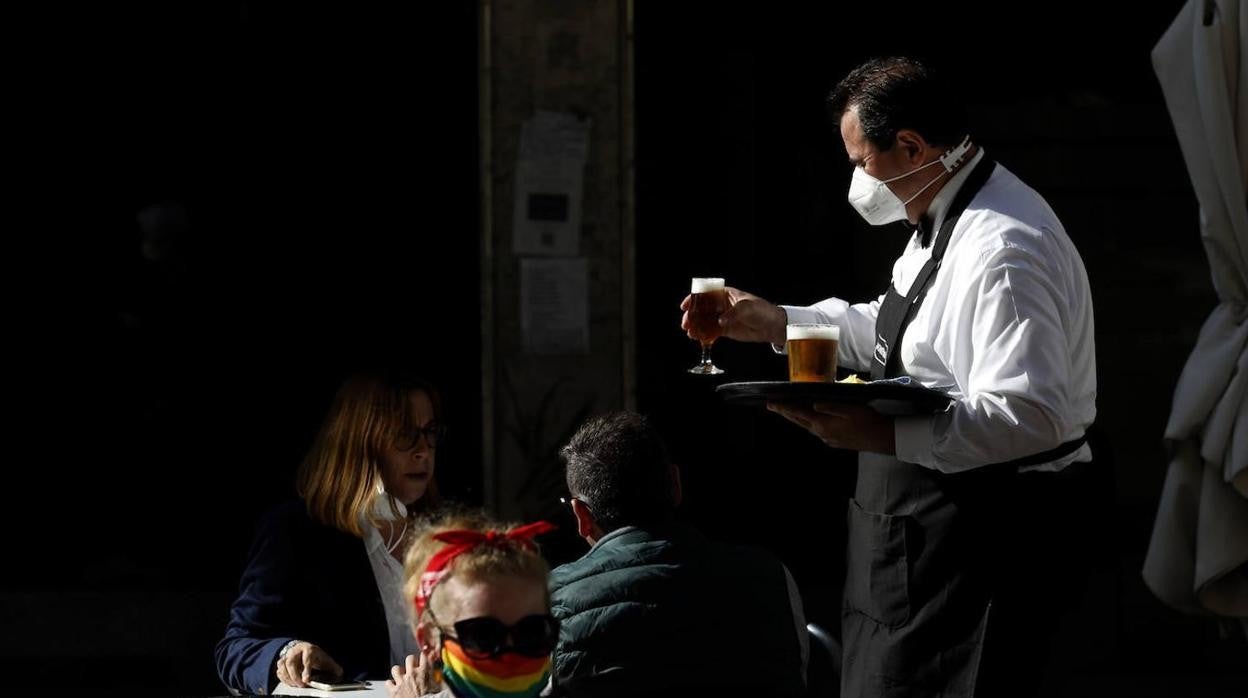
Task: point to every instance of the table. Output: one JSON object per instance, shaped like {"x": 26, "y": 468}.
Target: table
{"x": 376, "y": 689}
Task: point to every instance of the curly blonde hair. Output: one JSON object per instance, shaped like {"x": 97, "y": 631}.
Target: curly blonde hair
{"x": 500, "y": 560}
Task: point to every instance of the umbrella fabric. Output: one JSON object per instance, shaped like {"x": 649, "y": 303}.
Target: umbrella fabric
{"x": 1198, "y": 555}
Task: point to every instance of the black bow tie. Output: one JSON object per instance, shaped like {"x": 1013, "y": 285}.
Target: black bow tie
{"x": 924, "y": 231}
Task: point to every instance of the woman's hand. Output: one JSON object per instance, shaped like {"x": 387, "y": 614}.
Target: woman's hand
{"x": 295, "y": 669}
{"x": 419, "y": 678}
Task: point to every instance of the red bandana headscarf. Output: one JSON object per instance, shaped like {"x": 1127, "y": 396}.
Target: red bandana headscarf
{"x": 460, "y": 542}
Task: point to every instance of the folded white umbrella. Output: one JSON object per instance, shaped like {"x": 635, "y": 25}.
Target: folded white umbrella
{"x": 1198, "y": 555}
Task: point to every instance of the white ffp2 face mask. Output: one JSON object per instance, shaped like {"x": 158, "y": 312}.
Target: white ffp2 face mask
{"x": 387, "y": 507}
{"x": 878, "y": 205}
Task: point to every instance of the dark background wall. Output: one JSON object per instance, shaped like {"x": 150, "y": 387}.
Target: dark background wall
{"x": 324, "y": 158}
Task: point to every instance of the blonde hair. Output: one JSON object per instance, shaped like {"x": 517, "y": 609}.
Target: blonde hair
{"x": 340, "y": 477}
{"x": 500, "y": 560}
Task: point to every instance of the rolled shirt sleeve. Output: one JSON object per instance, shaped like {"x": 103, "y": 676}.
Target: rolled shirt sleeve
{"x": 857, "y": 323}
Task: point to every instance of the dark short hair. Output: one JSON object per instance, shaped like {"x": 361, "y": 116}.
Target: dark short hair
{"x": 619, "y": 467}
{"x": 895, "y": 93}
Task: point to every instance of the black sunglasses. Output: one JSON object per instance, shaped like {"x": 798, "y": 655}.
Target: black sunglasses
{"x": 486, "y": 637}
{"x": 433, "y": 433}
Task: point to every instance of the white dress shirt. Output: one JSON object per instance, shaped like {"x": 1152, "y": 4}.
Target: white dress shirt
{"x": 389, "y": 575}
{"x": 1006, "y": 328}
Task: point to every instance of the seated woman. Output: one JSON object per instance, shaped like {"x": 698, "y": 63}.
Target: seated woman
{"x": 322, "y": 588}
{"x": 481, "y": 613}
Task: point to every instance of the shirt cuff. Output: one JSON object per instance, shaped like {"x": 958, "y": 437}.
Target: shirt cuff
{"x": 795, "y": 315}
{"x": 914, "y": 440}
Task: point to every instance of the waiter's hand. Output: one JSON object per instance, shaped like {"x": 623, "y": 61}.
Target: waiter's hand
{"x": 843, "y": 426}
{"x": 748, "y": 318}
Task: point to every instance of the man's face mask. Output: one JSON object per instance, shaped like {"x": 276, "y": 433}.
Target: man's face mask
{"x": 878, "y": 205}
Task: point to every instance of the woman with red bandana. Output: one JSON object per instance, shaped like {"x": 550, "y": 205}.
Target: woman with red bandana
{"x": 481, "y": 613}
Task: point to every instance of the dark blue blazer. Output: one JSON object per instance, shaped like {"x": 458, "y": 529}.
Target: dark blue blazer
{"x": 303, "y": 581}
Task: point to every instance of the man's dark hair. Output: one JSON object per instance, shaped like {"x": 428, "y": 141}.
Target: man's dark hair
{"x": 895, "y": 93}
{"x": 619, "y": 467}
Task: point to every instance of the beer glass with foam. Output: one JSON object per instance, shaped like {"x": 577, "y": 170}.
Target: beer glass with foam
{"x": 707, "y": 301}
{"x": 812, "y": 352}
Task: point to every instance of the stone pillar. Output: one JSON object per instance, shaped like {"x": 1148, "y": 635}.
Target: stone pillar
{"x": 558, "y": 338}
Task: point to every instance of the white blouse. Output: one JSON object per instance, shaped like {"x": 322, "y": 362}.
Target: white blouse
{"x": 1006, "y": 327}
{"x": 389, "y": 575}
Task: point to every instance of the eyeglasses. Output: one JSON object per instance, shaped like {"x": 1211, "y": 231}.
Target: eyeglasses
{"x": 433, "y": 433}
{"x": 567, "y": 501}
{"x": 487, "y": 637}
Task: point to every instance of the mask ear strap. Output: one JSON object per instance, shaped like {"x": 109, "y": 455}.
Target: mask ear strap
{"x": 953, "y": 157}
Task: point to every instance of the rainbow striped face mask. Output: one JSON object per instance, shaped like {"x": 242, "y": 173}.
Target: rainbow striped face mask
{"x": 503, "y": 676}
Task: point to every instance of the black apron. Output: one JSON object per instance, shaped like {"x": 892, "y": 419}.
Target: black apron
{"x": 925, "y": 549}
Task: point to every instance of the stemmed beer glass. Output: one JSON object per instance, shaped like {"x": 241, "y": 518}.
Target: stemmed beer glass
{"x": 707, "y": 301}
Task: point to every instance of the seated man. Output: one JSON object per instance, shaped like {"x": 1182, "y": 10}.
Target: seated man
{"x": 653, "y": 607}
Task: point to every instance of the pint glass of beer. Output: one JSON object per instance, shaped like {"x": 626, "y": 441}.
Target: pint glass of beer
{"x": 812, "y": 352}
{"x": 708, "y": 300}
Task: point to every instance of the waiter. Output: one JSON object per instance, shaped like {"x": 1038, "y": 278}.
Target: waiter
{"x": 965, "y": 529}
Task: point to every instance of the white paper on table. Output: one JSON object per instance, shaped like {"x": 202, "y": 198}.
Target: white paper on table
{"x": 554, "y": 305}
{"x": 550, "y": 181}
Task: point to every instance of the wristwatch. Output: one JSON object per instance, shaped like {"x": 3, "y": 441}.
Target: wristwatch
{"x": 286, "y": 648}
